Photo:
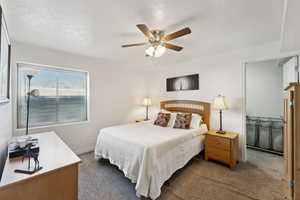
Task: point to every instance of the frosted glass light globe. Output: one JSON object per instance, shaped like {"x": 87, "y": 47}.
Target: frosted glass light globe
{"x": 156, "y": 51}
{"x": 159, "y": 51}
{"x": 150, "y": 51}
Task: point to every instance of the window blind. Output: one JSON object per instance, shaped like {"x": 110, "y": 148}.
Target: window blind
{"x": 62, "y": 99}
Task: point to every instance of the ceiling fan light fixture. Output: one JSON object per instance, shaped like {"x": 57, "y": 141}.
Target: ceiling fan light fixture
{"x": 159, "y": 41}
{"x": 155, "y": 51}
{"x": 159, "y": 51}
{"x": 150, "y": 51}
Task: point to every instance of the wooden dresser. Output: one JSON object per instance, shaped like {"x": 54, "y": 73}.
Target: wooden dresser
{"x": 222, "y": 147}
{"x": 58, "y": 180}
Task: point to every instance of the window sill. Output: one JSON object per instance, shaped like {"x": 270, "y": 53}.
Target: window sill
{"x": 53, "y": 126}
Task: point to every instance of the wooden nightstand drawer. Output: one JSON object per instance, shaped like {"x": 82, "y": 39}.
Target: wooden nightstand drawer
{"x": 218, "y": 154}
{"x": 218, "y": 142}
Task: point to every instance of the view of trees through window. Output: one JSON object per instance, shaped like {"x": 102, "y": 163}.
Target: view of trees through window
{"x": 62, "y": 99}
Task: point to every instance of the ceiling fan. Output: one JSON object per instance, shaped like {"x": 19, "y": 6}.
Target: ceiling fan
{"x": 158, "y": 40}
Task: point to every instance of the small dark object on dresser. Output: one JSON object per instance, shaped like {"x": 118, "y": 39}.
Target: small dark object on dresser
{"x": 30, "y": 154}
{"x": 19, "y": 151}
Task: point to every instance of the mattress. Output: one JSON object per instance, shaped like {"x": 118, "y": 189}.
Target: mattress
{"x": 148, "y": 154}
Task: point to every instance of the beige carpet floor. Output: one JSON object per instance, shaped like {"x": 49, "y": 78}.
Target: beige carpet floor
{"x": 270, "y": 163}
{"x": 198, "y": 180}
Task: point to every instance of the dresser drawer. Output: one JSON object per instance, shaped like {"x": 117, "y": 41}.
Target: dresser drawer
{"x": 218, "y": 154}
{"x": 218, "y": 142}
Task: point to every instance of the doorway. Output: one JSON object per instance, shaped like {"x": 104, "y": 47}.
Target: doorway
{"x": 264, "y": 88}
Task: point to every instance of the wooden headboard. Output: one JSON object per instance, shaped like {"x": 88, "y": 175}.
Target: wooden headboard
{"x": 188, "y": 106}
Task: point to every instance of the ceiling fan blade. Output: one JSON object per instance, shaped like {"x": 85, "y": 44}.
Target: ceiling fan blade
{"x": 178, "y": 34}
{"x": 134, "y": 45}
{"x": 172, "y": 46}
{"x": 144, "y": 28}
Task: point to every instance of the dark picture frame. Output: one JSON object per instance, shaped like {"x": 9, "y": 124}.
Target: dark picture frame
{"x": 5, "y": 56}
{"x": 182, "y": 83}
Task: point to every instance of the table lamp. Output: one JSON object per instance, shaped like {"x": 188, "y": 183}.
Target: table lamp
{"x": 220, "y": 104}
{"x": 147, "y": 102}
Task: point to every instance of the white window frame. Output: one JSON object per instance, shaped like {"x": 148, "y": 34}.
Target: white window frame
{"x": 67, "y": 69}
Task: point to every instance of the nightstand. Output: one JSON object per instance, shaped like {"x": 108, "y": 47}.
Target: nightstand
{"x": 222, "y": 147}
{"x": 140, "y": 120}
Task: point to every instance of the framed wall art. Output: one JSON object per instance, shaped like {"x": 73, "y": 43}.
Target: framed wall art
{"x": 181, "y": 83}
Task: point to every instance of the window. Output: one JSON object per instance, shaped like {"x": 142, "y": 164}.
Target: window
{"x": 62, "y": 98}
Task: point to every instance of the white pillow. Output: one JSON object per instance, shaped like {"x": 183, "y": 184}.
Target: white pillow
{"x": 172, "y": 120}
{"x": 196, "y": 121}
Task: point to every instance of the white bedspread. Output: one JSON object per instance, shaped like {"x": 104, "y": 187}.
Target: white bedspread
{"x": 148, "y": 154}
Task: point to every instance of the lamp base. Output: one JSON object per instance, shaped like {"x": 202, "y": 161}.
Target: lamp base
{"x": 221, "y": 132}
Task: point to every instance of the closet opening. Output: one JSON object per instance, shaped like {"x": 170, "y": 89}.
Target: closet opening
{"x": 265, "y": 82}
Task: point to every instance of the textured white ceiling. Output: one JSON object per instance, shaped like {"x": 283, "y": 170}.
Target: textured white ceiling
{"x": 98, "y": 28}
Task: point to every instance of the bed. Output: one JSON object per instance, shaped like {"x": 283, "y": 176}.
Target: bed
{"x": 148, "y": 154}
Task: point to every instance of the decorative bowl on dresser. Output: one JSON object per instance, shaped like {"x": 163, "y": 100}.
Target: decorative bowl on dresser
{"x": 222, "y": 147}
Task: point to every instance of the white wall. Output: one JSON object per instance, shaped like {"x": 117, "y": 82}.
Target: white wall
{"x": 290, "y": 71}
{"x": 264, "y": 89}
{"x": 290, "y": 29}
{"x": 5, "y": 120}
{"x": 220, "y": 74}
{"x": 5, "y": 131}
{"x": 115, "y": 93}
{"x": 222, "y": 79}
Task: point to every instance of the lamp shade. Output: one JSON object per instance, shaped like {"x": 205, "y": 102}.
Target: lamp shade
{"x": 35, "y": 93}
{"x": 220, "y": 103}
{"x": 147, "y": 102}
{"x": 30, "y": 72}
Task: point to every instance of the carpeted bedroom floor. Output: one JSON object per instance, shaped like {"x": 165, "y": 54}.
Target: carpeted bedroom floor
{"x": 199, "y": 180}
